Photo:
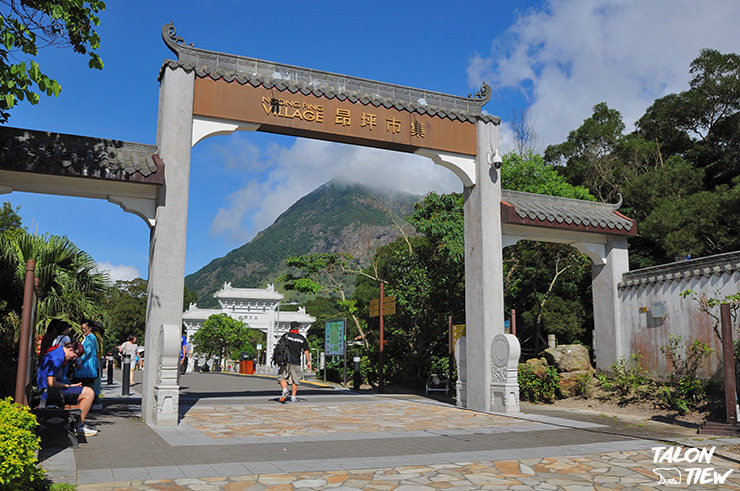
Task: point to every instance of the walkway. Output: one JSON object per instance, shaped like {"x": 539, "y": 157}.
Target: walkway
{"x": 234, "y": 435}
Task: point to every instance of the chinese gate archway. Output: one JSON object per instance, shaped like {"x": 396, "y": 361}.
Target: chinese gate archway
{"x": 204, "y": 93}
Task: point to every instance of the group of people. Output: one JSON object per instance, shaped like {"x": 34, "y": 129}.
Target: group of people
{"x": 73, "y": 368}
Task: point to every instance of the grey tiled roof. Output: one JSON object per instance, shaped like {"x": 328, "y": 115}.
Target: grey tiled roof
{"x": 244, "y": 70}
{"x": 82, "y": 156}
{"x": 706, "y": 267}
{"x": 537, "y": 209}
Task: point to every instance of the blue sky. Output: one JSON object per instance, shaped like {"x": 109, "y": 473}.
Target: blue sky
{"x": 553, "y": 59}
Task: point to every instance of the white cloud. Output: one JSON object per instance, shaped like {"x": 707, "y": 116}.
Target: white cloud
{"x": 119, "y": 272}
{"x": 296, "y": 170}
{"x": 569, "y": 55}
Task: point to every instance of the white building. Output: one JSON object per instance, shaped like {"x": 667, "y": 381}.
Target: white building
{"x": 258, "y": 308}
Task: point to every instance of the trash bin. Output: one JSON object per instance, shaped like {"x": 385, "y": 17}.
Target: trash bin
{"x": 246, "y": 365}
{"x": 250, "y": 367}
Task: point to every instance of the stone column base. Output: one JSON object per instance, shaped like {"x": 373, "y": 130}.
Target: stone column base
{"x": 505, "y": 398}
{"x": 505, "y": 351}
{"x": 461, "y": 391}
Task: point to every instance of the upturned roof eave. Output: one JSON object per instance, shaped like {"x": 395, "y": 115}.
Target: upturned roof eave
{"x": 565, "y": 213}
{"x": 253, "y": 71}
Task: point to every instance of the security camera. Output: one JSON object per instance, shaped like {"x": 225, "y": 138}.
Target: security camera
{"x": 495, "y": 159}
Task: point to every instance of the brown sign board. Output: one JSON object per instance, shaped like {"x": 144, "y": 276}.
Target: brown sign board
{"x": 389, "y": 306}
{"x": 458, "y": 331}
{"x": 332, "y": 119}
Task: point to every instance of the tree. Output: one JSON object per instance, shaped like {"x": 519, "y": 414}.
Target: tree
{"x": 322, "y": 274}
{"x": 589, "y": 155}
{"x": 522, "y": 126}
{"x": 70, "y": 287}
{"x": 126, "y": 309}
{"x": 703, "y": 122}
{"x": 10, "y": 220}
{"x": 547, "y": 284}
{"x": 28, "y": 25}
{"x": 223, "y": 335}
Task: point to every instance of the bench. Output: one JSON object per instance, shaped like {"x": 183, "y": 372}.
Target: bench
{"x": 56, "y": 424}
{"x": 437, "y": 382}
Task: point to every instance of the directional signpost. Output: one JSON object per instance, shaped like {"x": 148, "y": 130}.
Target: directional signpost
{"x": 378, "y": 308}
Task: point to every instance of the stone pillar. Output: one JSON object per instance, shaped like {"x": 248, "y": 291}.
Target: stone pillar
{"x": 505, "y": 351}
{"x": 484, "y": 292}
{"x": 461, "y": 387}
{"x": 608, "y": 330}
{"x": 159, "y": 404}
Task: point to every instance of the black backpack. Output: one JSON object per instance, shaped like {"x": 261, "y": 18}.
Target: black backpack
{"x": 281, "y": 355}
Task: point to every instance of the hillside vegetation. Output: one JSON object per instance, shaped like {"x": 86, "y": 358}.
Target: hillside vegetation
{"x": 336, "y": 217}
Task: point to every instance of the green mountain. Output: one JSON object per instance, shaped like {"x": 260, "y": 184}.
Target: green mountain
{"x": 336, "y": 217}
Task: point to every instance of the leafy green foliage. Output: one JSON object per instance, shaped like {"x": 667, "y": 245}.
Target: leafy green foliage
{"x": 70, "y": 287}
{"x": 535, "y": 387}
{"x": 226, "y": 337}
{"x": 335, "y": 217}
{"x": 24, "y": 26}
{"x": 686, "y": 390}
{"x": 10, "y": 220}
{"x": 428, "y": 287}
{"x": 126, "y": 310}
{"x": 584, "y": 385}
{"x": 18, "y": 447}
{"x": 629, "y": 379}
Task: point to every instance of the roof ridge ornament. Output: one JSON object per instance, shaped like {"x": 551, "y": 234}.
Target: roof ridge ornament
{"x": 618, "y": 204}
{"x": 483, "y": 95}
{"x": 171, "y": 39}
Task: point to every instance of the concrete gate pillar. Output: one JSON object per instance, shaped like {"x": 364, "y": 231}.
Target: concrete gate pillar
{"x": 484, "y": 289}
{"x": 160, "y": 398}
{"x": 608, "y": 342}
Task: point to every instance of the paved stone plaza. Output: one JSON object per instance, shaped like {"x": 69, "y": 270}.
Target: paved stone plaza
{"x": 234, "y": 435}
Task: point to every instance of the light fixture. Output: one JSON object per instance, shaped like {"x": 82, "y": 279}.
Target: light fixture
{"x": 495, "y": 159}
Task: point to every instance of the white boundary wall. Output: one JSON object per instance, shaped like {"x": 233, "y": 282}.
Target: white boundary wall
{"x": 642, "y": 292}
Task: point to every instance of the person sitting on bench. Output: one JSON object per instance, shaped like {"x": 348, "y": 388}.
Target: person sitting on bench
{"x": 51, "y": 368}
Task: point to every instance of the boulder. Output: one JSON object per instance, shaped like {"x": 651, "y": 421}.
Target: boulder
{"x": 568, "y": 381}
{"x": 568, "y": 357}
{"x": 538, "y": 366}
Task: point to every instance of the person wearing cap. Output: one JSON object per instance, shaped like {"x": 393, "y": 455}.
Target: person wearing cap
{"x": 51, "y": 368}
{"x": 292, "y": 372}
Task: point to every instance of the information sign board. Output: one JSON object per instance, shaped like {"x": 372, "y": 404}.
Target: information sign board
{"x": 334, "y": 337}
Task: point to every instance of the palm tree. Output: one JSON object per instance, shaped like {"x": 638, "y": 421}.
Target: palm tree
{"x": 70, "y": 287}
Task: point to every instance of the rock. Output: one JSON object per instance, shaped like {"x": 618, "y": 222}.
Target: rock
{"x": 568, "y": 357}
{"x": 569, "y": 380}
{"x": 538, "y": 366}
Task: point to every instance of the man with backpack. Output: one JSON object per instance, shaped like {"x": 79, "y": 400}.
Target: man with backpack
{"x": 287, "y": 356}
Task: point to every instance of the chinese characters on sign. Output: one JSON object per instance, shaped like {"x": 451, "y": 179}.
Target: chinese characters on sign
{"x": 294, "y": 109}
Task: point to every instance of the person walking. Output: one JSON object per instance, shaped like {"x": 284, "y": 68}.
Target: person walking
{"x": 292, "y": 372}
{"x": 184, "y": 354}
{"x": 129, "y": 348}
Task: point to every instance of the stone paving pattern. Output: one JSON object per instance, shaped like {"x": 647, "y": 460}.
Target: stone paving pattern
{"x": 232, "y": 439}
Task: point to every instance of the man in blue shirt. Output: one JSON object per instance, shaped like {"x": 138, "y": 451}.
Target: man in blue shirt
{"x": 50, "y": 372}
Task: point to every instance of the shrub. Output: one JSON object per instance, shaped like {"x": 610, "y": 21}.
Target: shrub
{"x": 584, "y": 383}
{"x": 629, "y": 378}
{"x": 535, "y": 387}
{"x": 18, "y": 447}
{"x": 686, "y": 391}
